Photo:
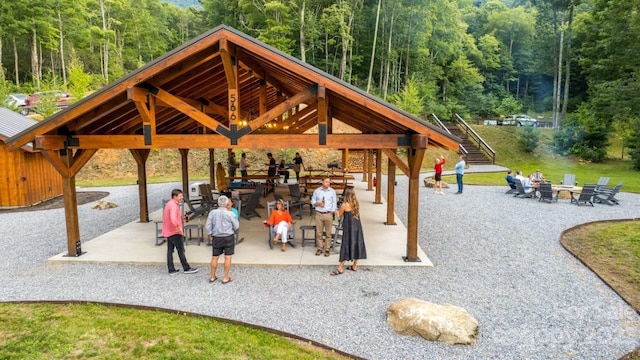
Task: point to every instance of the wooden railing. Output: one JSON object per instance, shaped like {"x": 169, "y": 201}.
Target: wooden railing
{"x": 437, "y": 121}
{"x": 473, "y": 136}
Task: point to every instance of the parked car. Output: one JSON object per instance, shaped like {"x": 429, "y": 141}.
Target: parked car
{"x": 15, "y": 100}
{"x": 519, "y": 120}
{"x": 61, "y": 99}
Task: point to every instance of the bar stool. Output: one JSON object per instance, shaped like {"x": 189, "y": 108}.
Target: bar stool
{"x": 312, "y": 230}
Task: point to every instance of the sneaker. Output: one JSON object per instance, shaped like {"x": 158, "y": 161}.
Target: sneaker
{"x": 191, "y": 270}
{"x": 173, "y": 272}
{"x": 327, "y": 253}
{"x": 318, "y": 252}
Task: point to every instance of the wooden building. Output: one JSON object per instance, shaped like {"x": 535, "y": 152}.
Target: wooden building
{"x": 26, "y": 177}
{"x": 226, "y": 90}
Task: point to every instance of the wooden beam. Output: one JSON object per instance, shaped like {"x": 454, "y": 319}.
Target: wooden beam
{"x": 53, "y": 157}
{"x": 228, "y": 63}
{"x": 415, "y": 162}
{"x": 205, "y": 141}
{"x": 393, "y": 156}
{"x": 284, "y": 106}
{"x": 195, "y": 114}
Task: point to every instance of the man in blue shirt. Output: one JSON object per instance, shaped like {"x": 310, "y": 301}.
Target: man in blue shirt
{"x": 460, "y": 173}
{"x": 325, "y": 203}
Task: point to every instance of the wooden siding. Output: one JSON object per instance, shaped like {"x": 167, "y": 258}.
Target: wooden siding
{"x": 26, "y": 178}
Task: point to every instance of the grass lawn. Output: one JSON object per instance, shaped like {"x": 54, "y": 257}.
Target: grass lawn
{"x": 93, "y": 331}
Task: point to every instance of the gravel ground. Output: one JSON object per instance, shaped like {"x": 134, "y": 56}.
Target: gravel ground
{"x": 496, "y": 256}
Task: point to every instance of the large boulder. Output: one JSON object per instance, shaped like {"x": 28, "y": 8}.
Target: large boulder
{"x": 445, "y": 323}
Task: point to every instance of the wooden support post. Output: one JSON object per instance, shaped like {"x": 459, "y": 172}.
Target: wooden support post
{"x": 141, "y": 156}
{"x": 369, "y": 153}
{"x": 391, "y": 190}
{"x": 415, "y": 162}
{"x": 378, "y": 196}
{"x": 212, "y": 166}
{"x": 184, "y": 156}
{"x": 345, "y": 159}
{"x": 365, "y": 165}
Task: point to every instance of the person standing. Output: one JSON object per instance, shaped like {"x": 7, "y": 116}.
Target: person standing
{"x": 297, "y": 163}
{"x": 271, "y": 172}
{"x": 221, "y": 226}
{"x": 352, "y": 248}
{"x": 325, "y": 203}
{"x": 221, "y": 178}
{"x": 174, "y": 232}
{"x": 437, "y": 166}
{"x": 244, "y": 165}
{"x": 460, "y": 173}
{"x": 232, "y": 164}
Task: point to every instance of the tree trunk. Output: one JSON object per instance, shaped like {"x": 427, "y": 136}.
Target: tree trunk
{"x": 63, "y": 66}
{"x": 35, "y": 62}
{"x": 15, "y": 60}
{"x": 373, "y": 48}
{"x": 556, "y": 109}
{"x": 2, "y": 77}
{"x": 567, "y": 74}
{"x": 105, "y": 43}
{"x": 406, "y": 65}
{"x": 303, "y": 45}
{"x": 385, "y": 88}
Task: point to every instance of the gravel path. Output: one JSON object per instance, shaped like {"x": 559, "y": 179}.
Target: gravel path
{"x": 496, "y": 256}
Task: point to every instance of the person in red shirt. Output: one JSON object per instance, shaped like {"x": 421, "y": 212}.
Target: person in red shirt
{"x": 174, "y": 232}
{"x": 437, "y": 166}
{"x": 281, "y": 221}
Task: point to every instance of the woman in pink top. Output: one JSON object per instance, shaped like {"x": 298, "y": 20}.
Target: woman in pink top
{"x": 281, "y": 221}
{"x": 437, "y": 166}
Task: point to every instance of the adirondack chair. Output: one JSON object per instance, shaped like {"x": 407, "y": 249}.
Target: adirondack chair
{"x": 602, "y": 184}
{"x": 297, "y": 201}
{"x": 195, "y": 210}
{"x": 291, "y": 235}
{"x": 337, "y": 234}
{"x": 206, "y": 196}
{"x": 586, "y": 195}
{"x": 569, "y": 179}
{"x": 608, "y": 197}
{"x": 520, "y": 191}
{"x": 546, "y": 193}
{"x": 250, "y": 206}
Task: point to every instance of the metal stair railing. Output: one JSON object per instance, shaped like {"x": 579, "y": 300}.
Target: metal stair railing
{"x": 471, "y": 134}
{"x": 441, "y": 125}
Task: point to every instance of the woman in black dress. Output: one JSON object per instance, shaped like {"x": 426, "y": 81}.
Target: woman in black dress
{"x": 352, "y": 248}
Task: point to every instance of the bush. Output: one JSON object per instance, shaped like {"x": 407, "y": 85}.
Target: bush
{"x": 528, "y": 138}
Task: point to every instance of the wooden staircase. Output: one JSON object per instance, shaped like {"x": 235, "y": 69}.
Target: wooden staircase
{"x": 475, "y": 156}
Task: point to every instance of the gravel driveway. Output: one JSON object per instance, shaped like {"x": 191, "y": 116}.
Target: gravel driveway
{"x": 496, "y": 256}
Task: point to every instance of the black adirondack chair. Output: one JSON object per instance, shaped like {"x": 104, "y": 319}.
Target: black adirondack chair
{"x": 586, "y": 196}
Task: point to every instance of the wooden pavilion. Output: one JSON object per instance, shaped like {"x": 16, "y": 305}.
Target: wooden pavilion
{"x": 226, "y": 90}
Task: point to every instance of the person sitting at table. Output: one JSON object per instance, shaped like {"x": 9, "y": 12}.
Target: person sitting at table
{"x": 282, "y": 170}
{"x": 510, "y": 180}
{"x": 527, "y": 185}
{"x": 281, "y": 221}
{"x": 519, "y": 176}
{"x": 537, "y": 176}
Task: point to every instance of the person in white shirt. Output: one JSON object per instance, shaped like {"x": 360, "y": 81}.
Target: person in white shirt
{"x": 325, "y": 202}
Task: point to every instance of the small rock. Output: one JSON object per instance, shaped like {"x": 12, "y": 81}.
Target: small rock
{"x": 104, "y": 204}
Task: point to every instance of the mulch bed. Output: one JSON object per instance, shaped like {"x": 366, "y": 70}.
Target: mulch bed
{"x": 57, "y": 202}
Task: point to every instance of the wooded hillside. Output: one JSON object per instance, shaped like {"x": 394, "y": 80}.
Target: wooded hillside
{"x": 572, "y": 60}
